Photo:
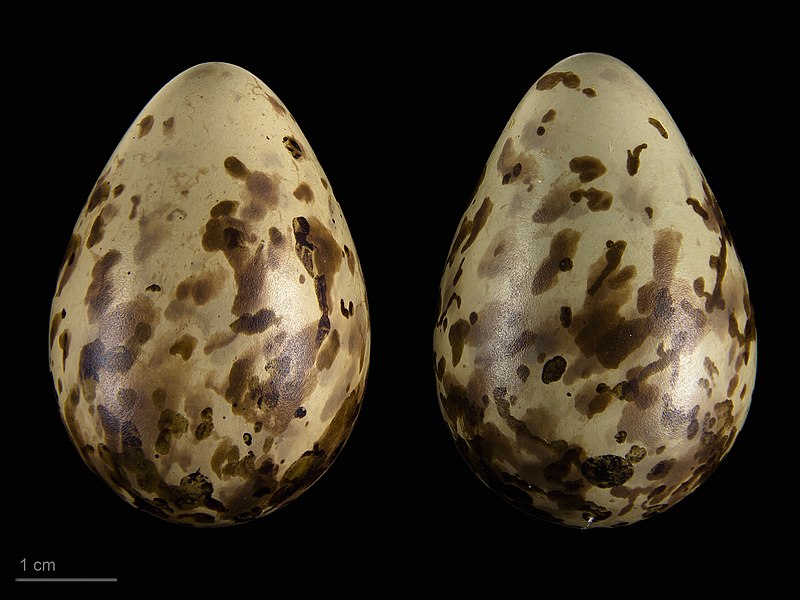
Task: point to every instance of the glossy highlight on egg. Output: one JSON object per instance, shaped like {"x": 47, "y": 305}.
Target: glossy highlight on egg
{"x": 209, "y": 333}
{"x": 595, "y": 346}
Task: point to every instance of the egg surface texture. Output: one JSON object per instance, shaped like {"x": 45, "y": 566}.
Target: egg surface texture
{"x": 209, "y": 335}
{"x": 595, "y": 347}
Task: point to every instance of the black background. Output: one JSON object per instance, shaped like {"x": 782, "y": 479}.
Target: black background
{"x": 402, "y": 114}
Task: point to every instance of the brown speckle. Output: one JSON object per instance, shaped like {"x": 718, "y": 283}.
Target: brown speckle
{"x": 250, "y": 324}
{"x": 636, "y": 454}
{"x": 588, "y": 168}
{"x": 168, "y": 126}
{"x": 549, "y": 115}
{"x": 613, "y": 257}
{"x": 649, "y": 211}
{"x": 551, "y": 80}
{"x": 695, "y": 204}
{"x": 293, "y": 147}
{"x": 63, "y": 343}
{"x": 118, "y": 190}
{"x": 96, "y": 232}
{"x": 523, "y": 372}
{"x": 563, "y": 246}
{"x": 304, "y": 193}
{"x": 135, "y": 200}
{"x": 145, "y": 125}
{"x": 589, "y": 92}
{"x": 99, "y": 195}
{"x": 633, "y": 159}
{"x": 565, "y": 316}
{"x": 224, "y": 208}
{"x": 236, "y": 168}
{"x": 183, "y": 347}
{"x": 657, "y": 124}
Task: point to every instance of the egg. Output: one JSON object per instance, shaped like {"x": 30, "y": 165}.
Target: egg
{"x": 209, "y": 332}
{"x": 595, "y": 346}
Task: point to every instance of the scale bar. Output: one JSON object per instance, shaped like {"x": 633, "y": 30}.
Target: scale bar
{"x": 66, "y": 579}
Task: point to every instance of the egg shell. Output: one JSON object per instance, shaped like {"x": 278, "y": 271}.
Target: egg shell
{"x": 209, "y": 333}
{"x": 595, "y": 349}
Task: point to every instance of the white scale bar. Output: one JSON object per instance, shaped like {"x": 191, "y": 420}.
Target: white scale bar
{"x": 66, "y": 579}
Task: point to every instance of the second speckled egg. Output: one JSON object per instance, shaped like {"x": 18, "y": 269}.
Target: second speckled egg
{"x": 595, "y": 348}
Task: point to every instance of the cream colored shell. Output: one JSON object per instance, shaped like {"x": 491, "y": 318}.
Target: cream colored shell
{"x": 209, "y": 332}
{"x": 595, "y": 350}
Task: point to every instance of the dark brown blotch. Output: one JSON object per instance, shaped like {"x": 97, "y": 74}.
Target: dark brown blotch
{"x": 250, "y": 324}
{"x": 613, "y": 257}
{"x": 607, "y": 471}
{"x": 549, "y": 115}
{"x": 597, "y": 200}
{"x": 118, "y": 190}
{"x": 206, "y": 425}
{"x": 697, "y": 207}
{"x": 457, "y": 337}
{"x": 563, "y": 247}
{"x": 99, "y": 195}
{"x": 236, "y": 168}
{"x": 96, "y": 232}
{"x": 565, "y": 316}
{"x": 304, "y": 193}
{"x": 589, "y": 92}
{"x": 634, "y": 160}
{"x": 345, "y": 310}
{"x": 636, "y": 454}
{"x": 553, "y": 369}
{"x": 293, "y": 146}
{"x": 224, "y": 208}
{"x": 63, "y": 343}
{"x": 551, "y": 80}
{"x": 657, "y": 124}
{"x": 523, "y": 372}
{"x": 588, "y": 168}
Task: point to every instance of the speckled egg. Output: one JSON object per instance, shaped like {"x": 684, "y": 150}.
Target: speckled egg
{"x": 209, "y": 334}
{"x": 595, "y": 349}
